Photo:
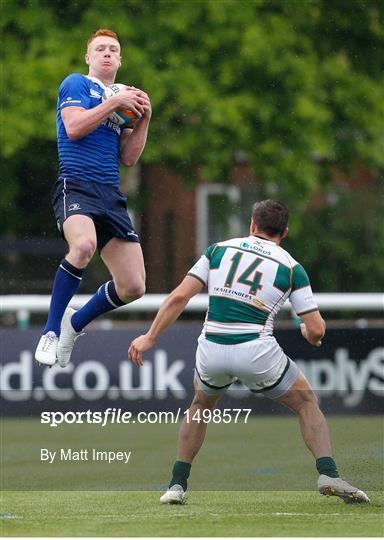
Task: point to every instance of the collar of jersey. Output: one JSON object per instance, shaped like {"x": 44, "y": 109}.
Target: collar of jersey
{"x": 96, "y": 80}
{"x": 263, "y": 239}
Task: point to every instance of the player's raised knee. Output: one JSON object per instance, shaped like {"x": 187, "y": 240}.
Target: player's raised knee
{"x": 130, "y": 292}
{"x": 82, "y": 251}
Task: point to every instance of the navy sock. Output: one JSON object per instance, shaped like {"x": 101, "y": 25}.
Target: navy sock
{"x": 326, "y": 465}
{"x": 104, "y": 300}
{"x": 65, "y": 285}
{"x": 180, "y": 474}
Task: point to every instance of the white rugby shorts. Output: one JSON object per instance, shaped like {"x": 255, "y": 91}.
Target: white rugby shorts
{"x": 260, "y": 364}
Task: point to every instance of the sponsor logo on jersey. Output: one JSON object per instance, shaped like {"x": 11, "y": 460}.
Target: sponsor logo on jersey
{"x": 74, "y": 206}
{"x": 93, "y": 93}
{"x": 232, "y": 293}
{"x": 70, "y": 100}
{"x": 111, "y": 125}
{"x": 254, "y": 247}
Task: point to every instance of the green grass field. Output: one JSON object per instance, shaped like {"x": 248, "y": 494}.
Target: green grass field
{"x": 249, "y": 480}
{"x": 208, "y": 513}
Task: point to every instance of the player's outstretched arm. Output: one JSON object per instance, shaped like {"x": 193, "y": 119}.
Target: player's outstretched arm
{"x": 167, "y": 314}
{"x": 79, "y": 122}
{"x": 313, "y": 328}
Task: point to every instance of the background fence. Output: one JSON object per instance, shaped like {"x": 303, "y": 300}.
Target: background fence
{"x": 346, "y": 372}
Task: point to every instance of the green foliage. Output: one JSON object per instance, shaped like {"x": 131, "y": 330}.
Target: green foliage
{"x": 296, "y": 85}
{"x": 342, "y": 243}
{"x": 286, "y": 81}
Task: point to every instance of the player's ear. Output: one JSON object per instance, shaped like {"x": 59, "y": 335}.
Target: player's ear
{"x": 252, "y": 227}
{"x": 285, "y": 233}
{"x": 87, "y": 58}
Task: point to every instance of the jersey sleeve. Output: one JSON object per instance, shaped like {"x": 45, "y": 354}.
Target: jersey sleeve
{"x": 301, "y": 296}
{"x": 200, "y": 269}
{"x": 74, "y": 92}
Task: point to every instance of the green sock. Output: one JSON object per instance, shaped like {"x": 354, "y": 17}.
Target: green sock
{"x": 327, "y": 466}
{"x": 180, "y": 473}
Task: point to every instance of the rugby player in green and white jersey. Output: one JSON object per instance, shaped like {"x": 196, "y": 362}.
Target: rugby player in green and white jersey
{"x": 248, "y": 281}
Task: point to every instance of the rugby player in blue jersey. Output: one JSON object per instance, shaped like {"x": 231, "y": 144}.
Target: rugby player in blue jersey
{"x": 90, "y": 210}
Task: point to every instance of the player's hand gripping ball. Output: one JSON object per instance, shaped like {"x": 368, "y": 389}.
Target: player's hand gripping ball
{"x": 122, "y": 117}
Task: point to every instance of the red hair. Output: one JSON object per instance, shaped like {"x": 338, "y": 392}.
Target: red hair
{"x": 102, "y": 32}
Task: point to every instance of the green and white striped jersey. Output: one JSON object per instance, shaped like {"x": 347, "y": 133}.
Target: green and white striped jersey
{"x": 248, "y": 280}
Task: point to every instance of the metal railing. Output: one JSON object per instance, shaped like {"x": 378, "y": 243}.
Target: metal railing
{"x": 24, "y": 305}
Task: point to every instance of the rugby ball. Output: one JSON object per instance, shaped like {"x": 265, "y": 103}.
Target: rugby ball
{"x": 122, "y": 117}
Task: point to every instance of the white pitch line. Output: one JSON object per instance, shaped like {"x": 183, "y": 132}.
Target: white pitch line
{"x": 188, "y": 513}
{"x": 300, "y": 514}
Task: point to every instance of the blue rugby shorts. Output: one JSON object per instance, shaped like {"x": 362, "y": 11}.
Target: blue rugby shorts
{"x": 103, "y": 203}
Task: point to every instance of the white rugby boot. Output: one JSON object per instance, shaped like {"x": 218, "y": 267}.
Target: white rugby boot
{"x": 340, "y": 488}
{"x": 68, "y": 336}
{"x": 46, "y": 349}
{"x": 174, "y": 495}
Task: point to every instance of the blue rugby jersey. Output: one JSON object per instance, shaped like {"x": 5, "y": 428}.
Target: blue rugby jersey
{"x": 94, "y": 157}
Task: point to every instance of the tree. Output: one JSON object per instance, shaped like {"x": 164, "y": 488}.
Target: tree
{"x": 296, "y": 85}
